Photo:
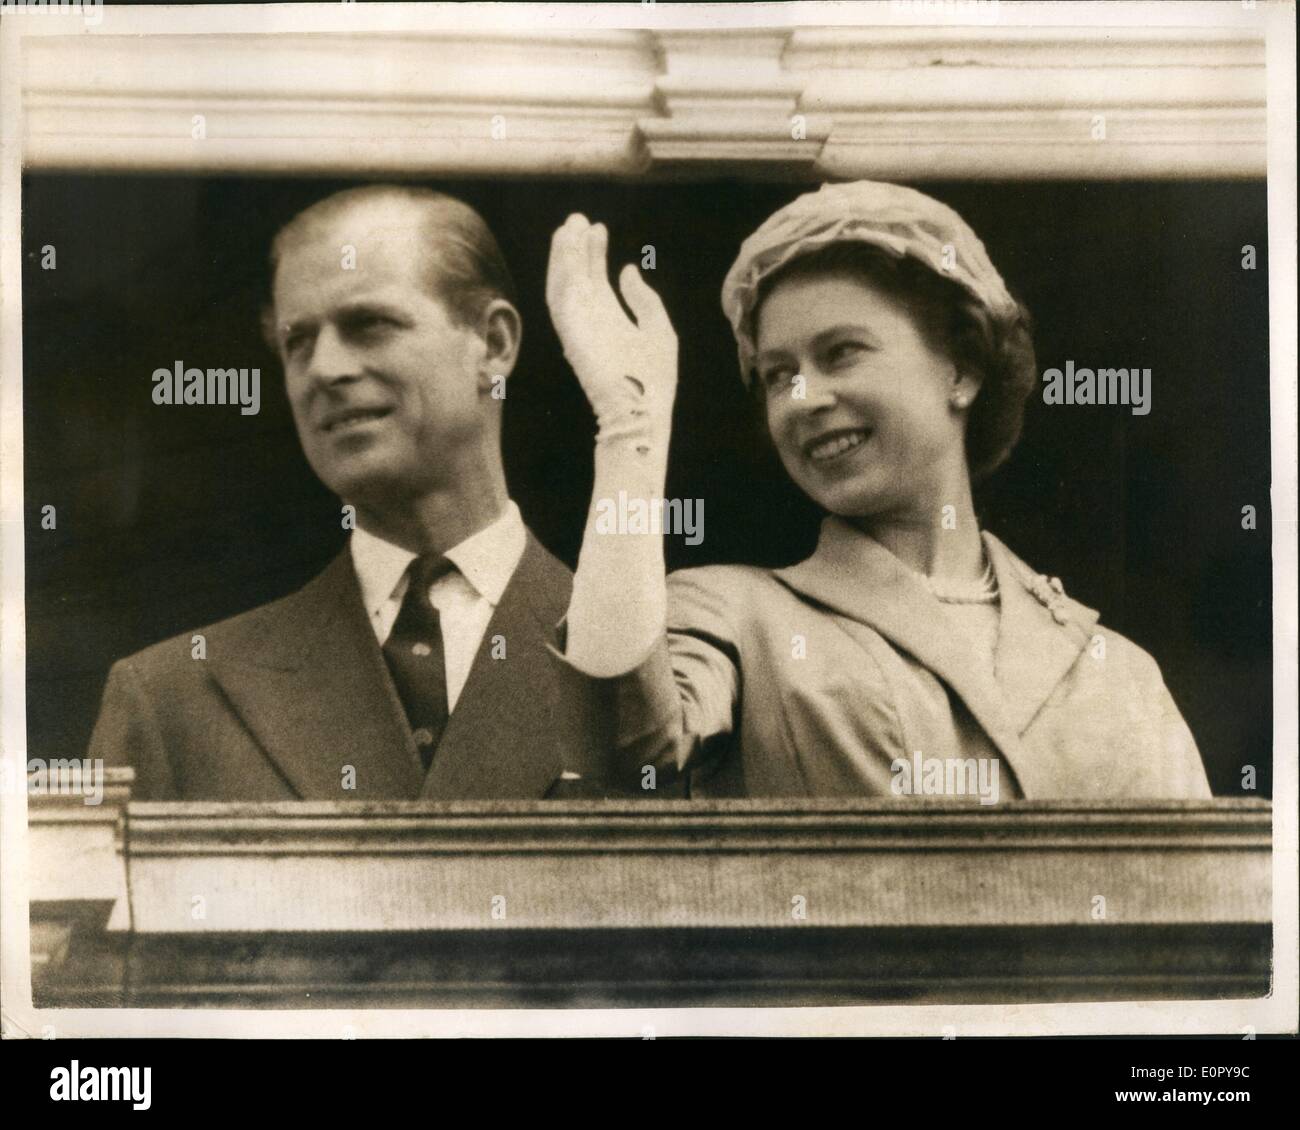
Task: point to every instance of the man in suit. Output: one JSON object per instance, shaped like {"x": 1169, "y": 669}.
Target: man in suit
{"x": 420, "y": 662}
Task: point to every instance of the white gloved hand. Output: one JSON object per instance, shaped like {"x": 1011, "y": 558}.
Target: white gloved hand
{"x": 628, "y": 369}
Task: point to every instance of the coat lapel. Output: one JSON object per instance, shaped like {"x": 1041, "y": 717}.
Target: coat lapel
{"x": 856, "y": 576}
{"x": 1041, "y": 633}
{"x": 501, "y": 740}
{"x": 309, "y": 681}
{"x": 1040, "y": 636}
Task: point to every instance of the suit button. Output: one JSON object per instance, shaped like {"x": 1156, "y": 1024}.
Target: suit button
{"x": 421, "y": 649}
{"x": 422, "y": 737}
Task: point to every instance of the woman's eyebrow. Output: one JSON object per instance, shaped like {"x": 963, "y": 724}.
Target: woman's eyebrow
{"x": 819, "y": 340}
{"x": 767, "y": 356}
{"x": 854, "y": 328}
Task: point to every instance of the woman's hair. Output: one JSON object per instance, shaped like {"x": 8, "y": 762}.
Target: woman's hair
{"x": 999, "y": 347}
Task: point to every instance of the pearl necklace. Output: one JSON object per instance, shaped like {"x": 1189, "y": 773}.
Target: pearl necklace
{"x": 984, "y": 591}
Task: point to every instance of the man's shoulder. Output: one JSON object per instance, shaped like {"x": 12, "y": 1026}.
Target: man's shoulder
{"x": 1128, "y": 662}
{"x": 246, "y": 633}
{"x": 542, "y": 562}
{"x": 543, "y": 580}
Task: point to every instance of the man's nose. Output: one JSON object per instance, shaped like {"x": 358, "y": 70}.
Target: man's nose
{"x": 332, "y": 360}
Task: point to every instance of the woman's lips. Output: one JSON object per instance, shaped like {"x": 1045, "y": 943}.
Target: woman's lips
{"x": 835, "y": 445}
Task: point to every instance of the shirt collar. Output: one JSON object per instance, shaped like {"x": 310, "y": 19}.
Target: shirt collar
{"x": 487, "y": 560}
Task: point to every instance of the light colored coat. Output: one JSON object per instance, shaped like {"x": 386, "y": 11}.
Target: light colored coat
{"x": 814, "y": 679}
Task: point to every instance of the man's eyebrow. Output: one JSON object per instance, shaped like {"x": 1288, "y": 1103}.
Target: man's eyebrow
{"x": 349, "y": 309}
{"x": 284, "y": 329}
{"x": 368, "y": 306}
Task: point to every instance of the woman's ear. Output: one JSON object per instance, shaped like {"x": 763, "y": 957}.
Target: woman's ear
{"x": 501, "y": 330}
{"x": 966, "y": 384}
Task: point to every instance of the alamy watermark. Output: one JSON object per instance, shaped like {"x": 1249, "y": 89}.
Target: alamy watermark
{"x": 101, "y": 1084}
{"x": 1101, "y": 386}
{"x": 179, "y": 385}
{"x": 625, "y": 515}
{"x": 72, "y": 776}
{"x": 945, "y": 776}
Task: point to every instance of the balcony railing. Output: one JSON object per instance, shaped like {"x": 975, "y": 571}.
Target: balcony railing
{"x": 413, "y": 904}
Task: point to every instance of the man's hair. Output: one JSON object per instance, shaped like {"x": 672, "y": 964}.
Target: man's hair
{"x": 464, "y": 267}
{"x": 1000, "y": 348}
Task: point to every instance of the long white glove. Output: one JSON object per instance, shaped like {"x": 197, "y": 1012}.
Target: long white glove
{"x": 628, "y": 370}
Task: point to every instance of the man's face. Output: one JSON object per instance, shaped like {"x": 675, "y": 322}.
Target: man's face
{"x": 383, "y": 385}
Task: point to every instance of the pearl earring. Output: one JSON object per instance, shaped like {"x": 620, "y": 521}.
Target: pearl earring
{"x": 959, "y": 400}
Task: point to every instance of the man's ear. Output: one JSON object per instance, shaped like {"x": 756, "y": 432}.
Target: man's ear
{"x": 266, "y": 323}
{"x": 502, "y": 331}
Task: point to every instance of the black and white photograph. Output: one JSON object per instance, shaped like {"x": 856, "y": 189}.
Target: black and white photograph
{"x": 649, "y": 520}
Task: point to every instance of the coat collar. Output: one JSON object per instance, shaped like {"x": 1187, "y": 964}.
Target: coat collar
{"x": 1041, "y": 631}
{"x": 307, "y": 677}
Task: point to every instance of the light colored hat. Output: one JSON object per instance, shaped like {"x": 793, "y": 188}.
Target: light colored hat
{"x": 901, "y": 221}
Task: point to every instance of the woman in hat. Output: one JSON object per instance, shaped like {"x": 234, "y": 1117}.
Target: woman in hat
{"x": 893, "y": 366}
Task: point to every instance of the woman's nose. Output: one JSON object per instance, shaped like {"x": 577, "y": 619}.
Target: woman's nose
{"x": 818, "y": 390}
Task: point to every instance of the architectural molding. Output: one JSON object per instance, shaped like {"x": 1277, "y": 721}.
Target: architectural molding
{"x": 909, "y": 103}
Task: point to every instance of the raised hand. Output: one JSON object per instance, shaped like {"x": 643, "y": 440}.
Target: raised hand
{"x": 627, "y": 368}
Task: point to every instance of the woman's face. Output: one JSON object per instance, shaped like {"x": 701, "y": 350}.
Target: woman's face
{"x": 859, "y": 402}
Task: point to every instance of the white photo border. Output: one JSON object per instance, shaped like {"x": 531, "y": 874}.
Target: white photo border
{"x": 1277, "y": 1013}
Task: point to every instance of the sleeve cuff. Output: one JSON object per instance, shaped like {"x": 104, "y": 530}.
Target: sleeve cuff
{"x": 614, "y": 716}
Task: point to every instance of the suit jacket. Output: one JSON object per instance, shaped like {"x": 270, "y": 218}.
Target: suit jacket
{"x": 812, "y": 680}
{"x": 294, "y": 697}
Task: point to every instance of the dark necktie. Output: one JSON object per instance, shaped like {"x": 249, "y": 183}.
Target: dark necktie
{"x": 414, "y": 655}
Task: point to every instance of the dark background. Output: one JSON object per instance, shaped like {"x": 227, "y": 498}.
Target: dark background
{"x": 172, "y": 517}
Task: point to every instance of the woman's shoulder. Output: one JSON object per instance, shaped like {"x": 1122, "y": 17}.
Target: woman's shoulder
{"x": 732, "y": 593}
{"x": 1073, "y": 615}
{"x": 722, "y": 581}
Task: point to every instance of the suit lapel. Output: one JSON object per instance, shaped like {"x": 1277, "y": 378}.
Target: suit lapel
{"x": 501, "y": 739}
{"x": 857, "y": 577}
{"x": 311, "y": 686}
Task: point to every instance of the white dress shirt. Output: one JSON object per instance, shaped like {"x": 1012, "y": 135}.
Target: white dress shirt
{"x": 465, "y": 597}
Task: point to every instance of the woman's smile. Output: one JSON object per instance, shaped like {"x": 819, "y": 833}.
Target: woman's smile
{"x": 833, "y": 448}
